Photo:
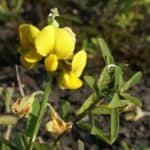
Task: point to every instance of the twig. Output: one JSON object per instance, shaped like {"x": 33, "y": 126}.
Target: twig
{"x": 20, "y": 85}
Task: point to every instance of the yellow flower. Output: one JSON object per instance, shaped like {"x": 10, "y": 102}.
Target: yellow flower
{"x": 26, "y": 64}
{"x": 59, "y": 41}
{"x": 27, "y": 34}
{"x": 51, "y": 42}
{"x": 23, "y": 107}
{"x": 51, "y": 62}
{"x": 69, "y": 79}
{"x": 45, "y": 40}
{"x": 57, "y": 126}
{"x": 64, "y": 43}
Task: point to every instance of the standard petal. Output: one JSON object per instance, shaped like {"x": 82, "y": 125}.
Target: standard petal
{"x": 32, "y": 56}
{"x": 64, "y": 42}
{"x": 69, "y": 81}
{"x": 45, "y": 40}
{"x": 79, "y": 62}
{"x": 27, "y": 34}
{"x": 51, "y": 62}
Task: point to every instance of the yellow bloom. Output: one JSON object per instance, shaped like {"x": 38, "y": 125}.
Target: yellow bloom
{"x": 51, "y": 42}
{"x": 32, "y": 56}
{"x": 51, "y": 62}
{"x": 23, "y": 107}
{"x": 45, "y": 40}
{"x": 57, "y": 126}
{"x": 26, "y": 64}
{"x": 64, "y": 43}
{"x": 27, "y": 34}
{"x": 59, "y": 41}
{"x": 69, "y": 79}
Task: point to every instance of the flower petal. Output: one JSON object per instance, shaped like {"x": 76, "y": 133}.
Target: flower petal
{"x": 51, "y": 62}
{"x": 26, "y": 64}
{"x": 27, "y": 34}
{"x": 79, "y": 62}
{"x": 32, "y": 56}
{"x": 45, "y": 40}
{"x": 64, "y": 43}
{"x": 69, "y": 81}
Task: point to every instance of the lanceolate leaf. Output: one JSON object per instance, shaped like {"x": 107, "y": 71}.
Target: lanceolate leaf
{"x": 103, "y": 80}
{"x": 87, "y": 104}
{"x": 108, "y": 58}
{"x": 118, "y": 77}
{"x": 114, "y": 103}
{"x": 95, "y": 131}
{"x": 132, "y": 81}
{"x": 90, "y": 81}
{"x": 114, "y": 125}
{"x": 65, "y": 110}
{"x": 100, "y": 134}
{"x": 131, "y": 99}
{"x": 100, "y": 110}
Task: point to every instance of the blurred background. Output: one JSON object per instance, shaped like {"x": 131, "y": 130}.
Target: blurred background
{"x": 124, "y": 25}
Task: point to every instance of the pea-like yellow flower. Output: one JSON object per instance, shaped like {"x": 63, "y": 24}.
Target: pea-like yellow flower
{"x": 23, "y": 106}
{"x": 69, "y": 79}
{"x": 57, "y": 126}
{"x": 51, "y": 42}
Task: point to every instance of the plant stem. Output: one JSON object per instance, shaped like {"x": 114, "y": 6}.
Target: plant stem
{"x": 47, "y": 92}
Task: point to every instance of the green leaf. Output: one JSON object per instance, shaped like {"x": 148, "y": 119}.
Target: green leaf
{"x": 90, "y": 81}
{"x": 100, "y": 110}
{"x": 115, "y": 102}
{"x": 81, "y": 145}
{"x": 30, "y": 125}
{"x": 65, "y": 109}
{"x": 108, "y": 58}
{"x": 118, "y": 77}
{"x": 33, "y": 117}
{"x": 87, "y": 104}
{"x": 35, "y": 106}
{"x": 114, "y": 125}
{"x": 132, "y": 81}
{"x": 95, "y": 131}
{"x": 103, "y": 80}
{"x": 131, "y": 99}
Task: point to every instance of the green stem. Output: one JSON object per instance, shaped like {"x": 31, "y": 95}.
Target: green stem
{"x": 47, "y": 92}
